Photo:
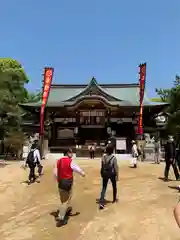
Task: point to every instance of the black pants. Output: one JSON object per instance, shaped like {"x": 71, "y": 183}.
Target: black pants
{"x": 40, "y": 168}
{"x": 178, "y": 159}
{"x": 91, "y": 154}
{"x": 32, "y": 176}
{"x": 167, "y": 167}
{"x": 104, "y": 187}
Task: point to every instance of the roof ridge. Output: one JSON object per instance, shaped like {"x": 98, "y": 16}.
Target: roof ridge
{"x": 93, "y": 82}
{"x": 103, "y": 85}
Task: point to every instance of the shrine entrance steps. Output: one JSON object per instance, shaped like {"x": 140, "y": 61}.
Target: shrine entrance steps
{"x": 55, "y": 156}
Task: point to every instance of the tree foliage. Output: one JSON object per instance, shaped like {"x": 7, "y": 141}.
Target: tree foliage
{"x": 172, "y": 96}
{"x": 33, "y": 97}
{"x": 163, "y": 94}
{"x": 13, "y": 92}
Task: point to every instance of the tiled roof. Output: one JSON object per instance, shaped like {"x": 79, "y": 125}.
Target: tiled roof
{"x": 124, "y": 92}
{"x": 120, "y": 94}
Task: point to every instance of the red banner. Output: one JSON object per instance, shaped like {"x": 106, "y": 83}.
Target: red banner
{"x": 142, "y": 81}
{"x": 48, "y": 75}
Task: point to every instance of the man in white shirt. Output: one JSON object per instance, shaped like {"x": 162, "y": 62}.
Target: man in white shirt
{"x": 37, "y": 158}
{"x": 134, "y": 154}
{"x": 33, "y": 160}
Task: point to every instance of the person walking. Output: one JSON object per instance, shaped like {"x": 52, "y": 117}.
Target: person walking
{"x": 157, "y": 151}
{"x": 38, "y": 157}
{"x": 63, "y": 171}
{"x": 178, "y": 156}
{"x": 109, "y": 171}
{"x": 91, "y": 151}
{"x": 135, "y": 154}
{"x": 170, "y": 154}
{"x": 32, "y": 160}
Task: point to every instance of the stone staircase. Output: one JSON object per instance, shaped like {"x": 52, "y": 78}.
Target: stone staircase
{"x": 55, "y": 156}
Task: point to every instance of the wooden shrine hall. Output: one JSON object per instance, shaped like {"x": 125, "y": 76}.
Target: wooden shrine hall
{"x": 78, "y": 115}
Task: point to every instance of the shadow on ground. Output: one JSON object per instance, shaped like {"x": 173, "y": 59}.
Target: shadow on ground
{"x": 69, "y": 214}
{"x": 174, "y": 188}
{"x": 105, "y": 201}
{"x": 169, "y": 180}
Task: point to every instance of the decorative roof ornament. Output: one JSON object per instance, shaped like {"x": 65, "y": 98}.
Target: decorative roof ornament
{"x": 93, "y": 82}
{"x": 92, "y": 86}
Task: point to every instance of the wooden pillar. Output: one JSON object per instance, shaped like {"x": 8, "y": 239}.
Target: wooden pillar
{"x": 41, "y": 139}
{"x": 53, "y": 134}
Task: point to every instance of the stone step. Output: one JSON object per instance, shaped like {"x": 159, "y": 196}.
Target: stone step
{"x": 55, "y": 156}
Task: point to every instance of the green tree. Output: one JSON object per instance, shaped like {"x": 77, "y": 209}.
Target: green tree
{"x": 163, "y": 94}
{"x": 33, "y": 97}
{"x": 12, "y": 92}
{"x": 172, "y": 96}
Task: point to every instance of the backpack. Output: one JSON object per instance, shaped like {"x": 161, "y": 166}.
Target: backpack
{"x": 30, "y": 158}
{"x": 107, "y": 169}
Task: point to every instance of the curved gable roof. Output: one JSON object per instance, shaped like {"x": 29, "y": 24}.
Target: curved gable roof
{"x": 92, "y": 88}
{"x": 97, "y": 97}
{"x": 112, "y": 92}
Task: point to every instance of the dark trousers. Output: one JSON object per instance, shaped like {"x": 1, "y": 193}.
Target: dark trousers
{"x": 32, "y": 176}
{"x": 104, "y": 187}
{"x": 91, "y": 154}
{"x": 167, "y": 167}
{"x": 40, "y": 168}
{"x": 178, "y": 159}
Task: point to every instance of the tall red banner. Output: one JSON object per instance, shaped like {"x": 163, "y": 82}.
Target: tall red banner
{"x": 48, "y": 75}
{"x": 142, "y": 81}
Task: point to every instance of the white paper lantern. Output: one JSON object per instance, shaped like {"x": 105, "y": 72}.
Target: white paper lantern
{"x": 113, "y": 133}
{"x": 109, "y": 130}
{"x": 76, "y": 130}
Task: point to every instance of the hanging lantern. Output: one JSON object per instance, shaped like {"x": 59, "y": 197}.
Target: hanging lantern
{"x": 65, "y": 121}
{"x": 113, "y": 133}
{"x": 109, "y": 130}
{"x": 161, "y": 120}
{"x": 76, "y": 130}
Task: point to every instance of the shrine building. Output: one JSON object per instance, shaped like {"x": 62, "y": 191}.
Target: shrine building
{"x": 78, "y": 115}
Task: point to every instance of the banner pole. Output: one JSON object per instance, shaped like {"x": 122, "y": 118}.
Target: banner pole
{"x": 41, "y": 139}
{"x": 142, "y": 80}
{"x": 47, "y": 80}
{"x": 40, "y": 134}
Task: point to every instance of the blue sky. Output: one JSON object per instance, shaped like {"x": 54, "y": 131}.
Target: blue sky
{"x": 101, "y": 38}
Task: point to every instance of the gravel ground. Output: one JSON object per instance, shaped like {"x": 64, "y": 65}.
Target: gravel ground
{"x": 144, "y": 210}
